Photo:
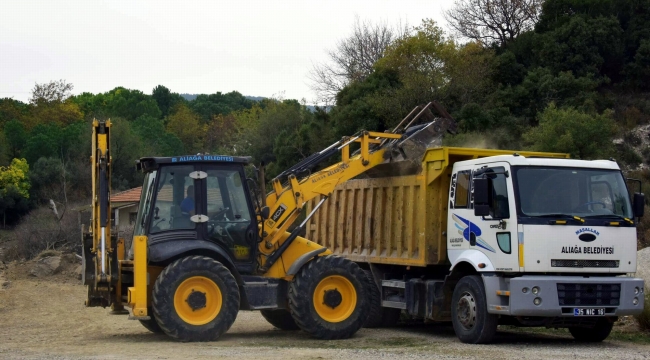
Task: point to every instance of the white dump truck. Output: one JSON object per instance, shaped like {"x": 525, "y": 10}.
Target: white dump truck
{"x": 488, "y": 237}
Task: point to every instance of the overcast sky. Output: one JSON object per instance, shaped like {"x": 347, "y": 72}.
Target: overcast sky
{"x": 259, "y": 48}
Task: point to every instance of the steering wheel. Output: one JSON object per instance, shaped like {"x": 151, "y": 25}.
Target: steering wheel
{"x": 219, "y": 213}
{"x": 590, "y": 203}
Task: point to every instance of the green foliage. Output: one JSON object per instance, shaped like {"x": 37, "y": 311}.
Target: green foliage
{"x": 14, "y": 190}
{"x": 126, "y": 148}
{"x": 52, "y": 140}
{"x": 16, "y": 137}
{"x": 46, "y": 178}
{"x": 583, "y": 135}
{"x": 208, "y": 106}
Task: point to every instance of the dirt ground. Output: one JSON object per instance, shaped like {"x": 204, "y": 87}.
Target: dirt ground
{"x": 46, "y": 319}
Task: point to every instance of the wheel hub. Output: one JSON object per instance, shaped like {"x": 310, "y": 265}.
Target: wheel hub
{"x": 466, "y": 311}
{"x": 196, "y": 300}
{"x": 332, "y": 298}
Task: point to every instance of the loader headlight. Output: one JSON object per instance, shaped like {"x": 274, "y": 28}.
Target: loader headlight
{"x": 537, "y": 301}
{"x": 535, "y": 290}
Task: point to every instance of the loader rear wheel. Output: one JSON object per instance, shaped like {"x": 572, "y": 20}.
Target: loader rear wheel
{"x": 329, "y": 298}
{"x": 195, "y": 299}
{"x": 280, "y": 318}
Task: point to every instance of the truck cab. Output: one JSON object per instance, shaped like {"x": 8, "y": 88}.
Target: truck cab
{"x": 549, "y": 237}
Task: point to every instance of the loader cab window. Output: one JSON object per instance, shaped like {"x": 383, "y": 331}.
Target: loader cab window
{"x": 229, "y": 214}
{"x": 175, "y": 200}
{"x": 145, "y": 203}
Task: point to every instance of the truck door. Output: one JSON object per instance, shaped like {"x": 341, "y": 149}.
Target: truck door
{"x": 494, "y": 235}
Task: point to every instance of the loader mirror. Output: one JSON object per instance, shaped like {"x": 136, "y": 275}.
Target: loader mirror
{"x": 638, "y": 204}
{"x": 265, "y": 212}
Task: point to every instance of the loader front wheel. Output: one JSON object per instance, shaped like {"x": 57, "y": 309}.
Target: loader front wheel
{"x": 280, "y": 318}
{"x": 329, "y": 298}
{"x": 195, "y": 299}
{"x": 151, "y": 324}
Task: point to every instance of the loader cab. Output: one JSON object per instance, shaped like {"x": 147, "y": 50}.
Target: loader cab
{"x": 198, "y": 204}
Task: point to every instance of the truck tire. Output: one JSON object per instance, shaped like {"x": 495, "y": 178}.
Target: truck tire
{"x": 280, "y": 318}
{"x": 378, "y": 316}
{"x": 598, "y": 333}
{"x": 151, "y": 324}
{"x": 195, "y": 298}
{"x": 469, "y": 316}
{"x": 329, "y": 298}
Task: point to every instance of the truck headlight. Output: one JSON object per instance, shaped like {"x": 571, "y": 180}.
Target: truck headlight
{"x": 535, "y": 290}
{"x": 636, "y": 290}
{"x": 635, "y": 301}
{"x": 537, "y": 301}
{"x": 524, "y": 290}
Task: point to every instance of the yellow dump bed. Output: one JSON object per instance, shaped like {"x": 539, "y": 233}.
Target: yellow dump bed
{"x": 397, "y": 220}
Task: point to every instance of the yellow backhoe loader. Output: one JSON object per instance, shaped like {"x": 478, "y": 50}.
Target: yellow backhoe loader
{"x": 209, "y": 242}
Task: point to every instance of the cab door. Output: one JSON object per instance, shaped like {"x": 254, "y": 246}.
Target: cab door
{"x": 230, "y": 217}
{"x": 499, "y": 230}
{"x": 495, "y": 235}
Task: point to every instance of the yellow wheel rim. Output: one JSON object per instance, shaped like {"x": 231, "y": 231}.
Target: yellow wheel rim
{"x": 335, "y": 298}
{"x": 198, "y": 300}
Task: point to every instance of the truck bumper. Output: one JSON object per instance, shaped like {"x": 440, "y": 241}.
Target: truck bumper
{"x": 560, "y": 296}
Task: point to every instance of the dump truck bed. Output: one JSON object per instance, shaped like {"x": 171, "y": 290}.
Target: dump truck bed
{"x": 398, "y": 220}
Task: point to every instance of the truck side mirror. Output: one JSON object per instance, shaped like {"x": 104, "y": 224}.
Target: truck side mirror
{"x": 265, "y": 212}
{"x": 481, "y": 197}
{"x": 638, "y": 204}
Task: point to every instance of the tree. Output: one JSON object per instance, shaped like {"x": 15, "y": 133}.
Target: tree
{"x": 14, "y": 190}
{"x": 353, "y": 58}
{"x": 16, "y": 137}
{"x": 583, "y": 135}
{"x": 52, "y": 92}
{"x": 186, "y": 125}
{"x": 493, "y": 21}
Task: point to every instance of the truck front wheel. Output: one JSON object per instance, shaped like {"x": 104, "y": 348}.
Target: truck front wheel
{"x": 328, "y": 298}
{"x": 469, "y": 316}
{"x": 598, "y": 333}
{"x": 195, "y": 298}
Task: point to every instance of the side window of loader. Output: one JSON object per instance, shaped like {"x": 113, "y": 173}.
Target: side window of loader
{"x": 174, "y": 200}
{"x": 462, "y": 190}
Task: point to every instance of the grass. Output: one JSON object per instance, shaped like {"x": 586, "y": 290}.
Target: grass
{"x": 624, "y": 335}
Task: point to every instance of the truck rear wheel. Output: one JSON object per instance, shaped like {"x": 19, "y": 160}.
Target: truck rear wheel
{"x": 329, "y": 298}
{"x": 378, "y": 316}
{"x": 598, "y": 333}
{"x": 280, "y": 318}
{"x": 195, "y": 299}
{"x": 469, "y": 316}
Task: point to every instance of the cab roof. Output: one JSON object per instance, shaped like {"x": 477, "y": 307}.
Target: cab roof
{"x": 152, "y": 163}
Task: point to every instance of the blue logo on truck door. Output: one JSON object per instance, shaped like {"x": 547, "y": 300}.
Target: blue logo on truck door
{"x": 470, "y": 230}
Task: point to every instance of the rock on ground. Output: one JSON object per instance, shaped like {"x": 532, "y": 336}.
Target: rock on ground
{"x": 46, "y": 266}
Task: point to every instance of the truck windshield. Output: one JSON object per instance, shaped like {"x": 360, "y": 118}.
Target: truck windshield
{"x": 571, "y": 191}
{"x": 145, "y": 202}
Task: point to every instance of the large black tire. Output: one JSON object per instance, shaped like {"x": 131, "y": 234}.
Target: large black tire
{"x": 195, "y": 298}
{"x": 469, "y": 316}
{"x": 280, "y": 318}
{"x": 378, "y": 316}
{"x": 151, "y": 324}
{"x": 597, "y": 333}
{"x": 317, "y": 304}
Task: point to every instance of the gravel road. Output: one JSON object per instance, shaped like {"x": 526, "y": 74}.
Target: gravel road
{"x": 46, "y": 320}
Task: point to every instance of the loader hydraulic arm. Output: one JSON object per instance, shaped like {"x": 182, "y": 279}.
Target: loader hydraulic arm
{"x": 286, "y": 201}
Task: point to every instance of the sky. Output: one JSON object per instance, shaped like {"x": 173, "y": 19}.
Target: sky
{"x": 259, "y": 48}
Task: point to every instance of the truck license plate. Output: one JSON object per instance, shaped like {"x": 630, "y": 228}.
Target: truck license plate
{"x": 588, "y": 312}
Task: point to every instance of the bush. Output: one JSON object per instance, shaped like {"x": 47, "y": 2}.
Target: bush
{"x": 41, "y": 230}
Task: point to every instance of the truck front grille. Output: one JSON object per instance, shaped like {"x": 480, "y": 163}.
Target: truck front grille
{"x": 589, "y": 294}
{"x": 585, "y": 263}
